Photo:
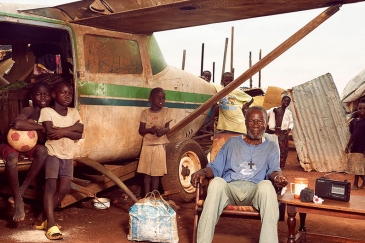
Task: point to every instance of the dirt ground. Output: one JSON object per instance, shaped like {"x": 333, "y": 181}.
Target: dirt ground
{"x": 81, "y": 222}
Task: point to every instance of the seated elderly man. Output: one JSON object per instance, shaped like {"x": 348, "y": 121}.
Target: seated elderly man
{"x": 241, "y": 172}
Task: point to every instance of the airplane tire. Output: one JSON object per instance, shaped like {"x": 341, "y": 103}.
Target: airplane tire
{"x": 182, "y": 159}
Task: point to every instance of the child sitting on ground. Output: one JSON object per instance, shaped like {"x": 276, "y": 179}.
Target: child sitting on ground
{"x": 154, "y": 124}
{"x": 356, "y": 146}
{"x": 27, "y": 120}
{"x": 63, "y": 127}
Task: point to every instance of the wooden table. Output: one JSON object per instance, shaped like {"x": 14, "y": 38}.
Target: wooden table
{"x": 354, "y": 209}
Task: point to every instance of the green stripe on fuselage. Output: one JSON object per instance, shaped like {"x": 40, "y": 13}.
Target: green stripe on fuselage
{"x": 134, "y": 92}
{"x": 135, "y": 103}
{"x": 45, "y": 20}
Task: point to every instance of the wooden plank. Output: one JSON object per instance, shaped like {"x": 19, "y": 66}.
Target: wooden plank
{"x": 97, "y": 166}
{"x": 96, "y": 187}
{"x": 120, "y": 171}
{"x": 355, "y": 205}
{"x": 331, "y": 212}
{"x": 123, "y": 172}
{"x": 23, "y": 165}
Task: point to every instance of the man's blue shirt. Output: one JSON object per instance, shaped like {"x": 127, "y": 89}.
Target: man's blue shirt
{"x": 233, "y": 162}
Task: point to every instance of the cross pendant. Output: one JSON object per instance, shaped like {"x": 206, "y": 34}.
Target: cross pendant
{"x": 251, "y": 164}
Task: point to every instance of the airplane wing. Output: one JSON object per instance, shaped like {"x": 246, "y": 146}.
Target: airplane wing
{"x": 145, "y": 17}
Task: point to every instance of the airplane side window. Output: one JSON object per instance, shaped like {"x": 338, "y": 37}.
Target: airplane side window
{"x": 157, "y": 60}
{"x": 112, "y": 55}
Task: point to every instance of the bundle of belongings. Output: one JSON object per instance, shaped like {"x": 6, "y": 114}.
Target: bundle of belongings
{"x": 152, "y": 219}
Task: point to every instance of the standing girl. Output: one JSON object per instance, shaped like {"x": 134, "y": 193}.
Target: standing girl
{"x": 357, "y": 144}
{"x": 154, "y": 124}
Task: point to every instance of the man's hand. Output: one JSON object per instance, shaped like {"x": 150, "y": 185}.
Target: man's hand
{"x": 280, "y": 181}
{"x": 198, "y": 176}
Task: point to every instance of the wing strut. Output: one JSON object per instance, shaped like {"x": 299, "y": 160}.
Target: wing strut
{"x": 97, "y": 166}
{"x": 257, "y": 67}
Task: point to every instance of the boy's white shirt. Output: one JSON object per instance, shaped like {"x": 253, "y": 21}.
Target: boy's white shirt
{"x": 62, "y": 148}
{"x": 287, "y": 119}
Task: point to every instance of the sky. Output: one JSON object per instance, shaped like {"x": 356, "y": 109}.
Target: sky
{"x": 337, "y": 46}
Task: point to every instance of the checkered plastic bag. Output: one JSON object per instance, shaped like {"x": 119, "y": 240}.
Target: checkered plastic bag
{"x": 152, "y": 219}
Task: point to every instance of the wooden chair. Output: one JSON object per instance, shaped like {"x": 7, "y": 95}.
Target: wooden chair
{"x": 248, "y": 212}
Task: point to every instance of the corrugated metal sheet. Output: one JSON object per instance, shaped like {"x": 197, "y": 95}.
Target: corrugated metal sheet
{"x": 354, "y": 90}
{"x": 320, "y": 129}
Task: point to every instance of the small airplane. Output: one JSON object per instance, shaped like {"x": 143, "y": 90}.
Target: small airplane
{"x": 109, "y": 53}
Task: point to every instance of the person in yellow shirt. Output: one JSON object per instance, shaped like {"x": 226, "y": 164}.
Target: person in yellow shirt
{"x": 232, "y": 107}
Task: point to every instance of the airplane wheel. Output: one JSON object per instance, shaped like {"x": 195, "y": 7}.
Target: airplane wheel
{"x": 183, "y": 159}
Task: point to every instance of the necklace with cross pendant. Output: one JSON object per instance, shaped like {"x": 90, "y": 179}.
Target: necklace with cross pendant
{"x": 249, "y": 142}
{"x": 251, "y": 164}
{"x": 251, "y": 154}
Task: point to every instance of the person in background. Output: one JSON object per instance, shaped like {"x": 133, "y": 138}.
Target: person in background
{"x": 281, "y": 123}
{"x": 27, "y": 120}
{"x": 153, "y": 126}
{"x": 243, "y": 172}
{"x": 232, "y": 107}
{"x": 64, "y": 128}
{"x": 209, "y": 121}
{"x": 356, "y": 146}
{"x": 208, "y": 75}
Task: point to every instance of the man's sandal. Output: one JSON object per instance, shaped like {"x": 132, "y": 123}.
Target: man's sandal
{"x": 43, "y": 226}
{"x": 54, "y": 233}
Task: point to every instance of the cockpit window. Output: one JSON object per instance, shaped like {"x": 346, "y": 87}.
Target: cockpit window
{"x": 157, "y": 60}
{"x": 112, "y": 55}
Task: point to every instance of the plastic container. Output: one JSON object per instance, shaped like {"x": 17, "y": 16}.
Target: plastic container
{"x": 101, "y": 203}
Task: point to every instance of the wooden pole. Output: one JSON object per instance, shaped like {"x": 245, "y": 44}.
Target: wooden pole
{"x": 183, "y": 60}
{"x": 232, "y": 41}
{"x": 292, "y": 40}
{"x": 250, "y": 65}
{"x": 213, "y": 73}
{"x": 260, "y": 70}
{"x": 224, "y": 57}
{"x": 202, "y": 61}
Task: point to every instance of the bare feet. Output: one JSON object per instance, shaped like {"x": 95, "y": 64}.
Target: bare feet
{"x": 19, "y": 214}
{"x": 362, "y": 186}
{"x": 354, "y": 188}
